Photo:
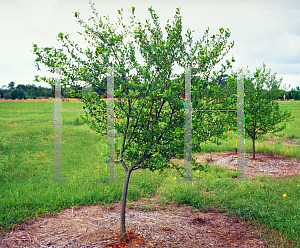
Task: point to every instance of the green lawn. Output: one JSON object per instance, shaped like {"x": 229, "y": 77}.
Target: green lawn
{"x": 26, "y": 152}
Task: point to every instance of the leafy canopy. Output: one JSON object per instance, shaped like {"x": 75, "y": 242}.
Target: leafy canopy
{"x": 149, "y": 105}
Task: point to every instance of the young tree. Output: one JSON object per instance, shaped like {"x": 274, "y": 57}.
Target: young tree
{"x": 262, "y": 113}
{"x": 152, "y": 93}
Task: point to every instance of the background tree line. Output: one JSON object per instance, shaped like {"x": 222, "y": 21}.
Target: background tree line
{"x": 292, "y": 94}
{"x": 31, "y": 91}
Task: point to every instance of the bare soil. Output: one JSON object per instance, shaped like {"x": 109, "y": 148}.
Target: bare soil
{"x": 167, "y": 225}
{"x": 268, "y": 164}
{"x": 98, "y": 226}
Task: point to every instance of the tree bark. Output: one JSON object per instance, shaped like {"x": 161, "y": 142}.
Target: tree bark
{"x": 253, "y": 147}
{"x": 123, "y": 235}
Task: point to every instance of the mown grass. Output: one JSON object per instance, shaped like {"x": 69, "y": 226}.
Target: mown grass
{"x": 26, "y": 151}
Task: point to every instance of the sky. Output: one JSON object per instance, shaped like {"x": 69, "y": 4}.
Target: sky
{"x": 263, "y": 31}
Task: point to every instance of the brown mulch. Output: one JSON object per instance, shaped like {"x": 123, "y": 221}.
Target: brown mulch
{"x": 98, "y": 226}
{"x": 168, "y": 225}
{"x": 268, "y": 164}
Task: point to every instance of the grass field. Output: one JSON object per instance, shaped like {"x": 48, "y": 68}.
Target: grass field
{"x": 26, "y": 159}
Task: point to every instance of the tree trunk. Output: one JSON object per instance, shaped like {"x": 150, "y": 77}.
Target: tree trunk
{"x": 253, "y": 147}
{"x": 123, "y": 237}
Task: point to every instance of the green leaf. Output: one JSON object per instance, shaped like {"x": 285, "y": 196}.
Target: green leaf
{"x": 132, "y": 9}
{"x": 178, "y": 129}
{"x": 61, "y": 35}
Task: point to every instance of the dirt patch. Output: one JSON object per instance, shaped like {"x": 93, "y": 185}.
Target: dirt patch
{"x": 98, "y": 226}
{"x": 268, "y": 164}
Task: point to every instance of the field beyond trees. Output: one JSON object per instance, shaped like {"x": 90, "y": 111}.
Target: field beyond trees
{"x": 27, "y": 158}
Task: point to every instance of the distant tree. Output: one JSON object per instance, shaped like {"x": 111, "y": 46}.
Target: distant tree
{"x": 22, "y": 91}
{"x": 289, "y": 95}
{"x": 21, "y": 94}
{"x": 1, "y": 92}
{"x": 32, "y": 93}
{"x": 6, "y": 95}
{"x": 298, "y": 93}
{"x": 11, "y": 85}
{"x": 52, "y": 90}
{"x": 262, "y": 112}
{"x": 292, "y": 93}
{"x": 26, "y": 95}
{"x": 21, "y": 86}
{"x": 295, "y": 94}
{"x": 14, "y": 94}
{"x": 40, "y": 91}
{"x": 286, "y": 94}
{"x": 47, "y": 93}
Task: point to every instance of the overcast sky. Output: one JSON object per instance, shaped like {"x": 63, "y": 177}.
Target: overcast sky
{"x": 263, "y": 31}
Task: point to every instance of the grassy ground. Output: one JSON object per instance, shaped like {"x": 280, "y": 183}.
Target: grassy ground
{"x": 26, "y": 151}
